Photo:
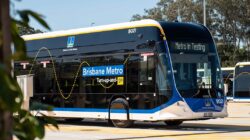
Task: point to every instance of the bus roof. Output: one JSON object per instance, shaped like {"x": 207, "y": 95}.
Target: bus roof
{"x": 184, "y": 30}
{"x": 242, "y": 63}
{"x": 103, "y": 28}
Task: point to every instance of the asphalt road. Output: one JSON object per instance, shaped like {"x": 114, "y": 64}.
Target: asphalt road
{"x": 236, "y": 126}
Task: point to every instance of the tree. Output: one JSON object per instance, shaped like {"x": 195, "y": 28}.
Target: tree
{"x": 232, "y": 19}
{"x": 170, "y": 10}
{"x": 22, "y": 30}
{"x": 24, "y": 125}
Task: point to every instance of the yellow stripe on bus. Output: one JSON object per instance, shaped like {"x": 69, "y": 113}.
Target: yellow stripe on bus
{"x": 41, "y": 36}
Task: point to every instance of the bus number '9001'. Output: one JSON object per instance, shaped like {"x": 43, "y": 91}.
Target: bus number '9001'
{"x": 132, "y": 31}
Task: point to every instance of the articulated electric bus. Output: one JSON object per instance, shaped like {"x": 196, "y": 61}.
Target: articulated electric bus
{"x": 241, "y": 84}
{"x": 228, "y": 74}
{"x": 136, "y": 71}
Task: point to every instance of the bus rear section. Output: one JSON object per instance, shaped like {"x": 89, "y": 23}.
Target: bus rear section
{"x": 241, "y": 88}
{"x": 193, "y": 51}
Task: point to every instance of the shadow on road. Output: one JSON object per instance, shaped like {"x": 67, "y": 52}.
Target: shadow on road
{"x": 176, "y": 135}
{"x": 186, "y": 129}
{"x": 195, "y": 128}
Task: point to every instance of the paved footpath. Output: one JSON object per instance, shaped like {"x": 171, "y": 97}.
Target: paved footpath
{"x": 236, "y": 126}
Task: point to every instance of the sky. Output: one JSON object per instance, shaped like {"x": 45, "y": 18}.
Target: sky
{"x": 70, "y": 14}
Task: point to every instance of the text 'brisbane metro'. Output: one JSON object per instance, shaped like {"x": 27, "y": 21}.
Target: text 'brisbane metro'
{"x": 103, "y": 70}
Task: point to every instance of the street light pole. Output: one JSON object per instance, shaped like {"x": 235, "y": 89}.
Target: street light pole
{"x": 204, "y": 12}
{"x": 204, "y": 23}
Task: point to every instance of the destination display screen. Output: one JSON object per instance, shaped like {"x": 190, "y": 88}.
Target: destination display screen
{"x": 188, "y": 47}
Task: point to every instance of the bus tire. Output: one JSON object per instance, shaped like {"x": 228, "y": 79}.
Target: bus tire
{"x": 121, "y": 103}
{"x": 173, "y": 122}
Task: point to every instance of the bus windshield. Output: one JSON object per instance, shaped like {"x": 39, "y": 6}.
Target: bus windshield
{"x": 241, "y": 78}
{"x": 196, "y": 69}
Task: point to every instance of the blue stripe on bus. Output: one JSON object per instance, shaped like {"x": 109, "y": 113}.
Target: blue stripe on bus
{"x": 106, "y": 110}
{"x": 80, "y": 109}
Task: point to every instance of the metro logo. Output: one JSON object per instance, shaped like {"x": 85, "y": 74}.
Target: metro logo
{"x": 71, "y": 41}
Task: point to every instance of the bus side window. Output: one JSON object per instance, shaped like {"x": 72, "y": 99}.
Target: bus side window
{"x": 147, "y": 73}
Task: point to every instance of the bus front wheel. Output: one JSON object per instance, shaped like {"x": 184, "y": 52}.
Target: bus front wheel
{"x": 122, "y": 105}
{"x": 173, "y": 122}
{"x": 122, "y": 123}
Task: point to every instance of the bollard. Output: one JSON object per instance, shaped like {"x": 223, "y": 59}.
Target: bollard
{"x": 26, "y": 84}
